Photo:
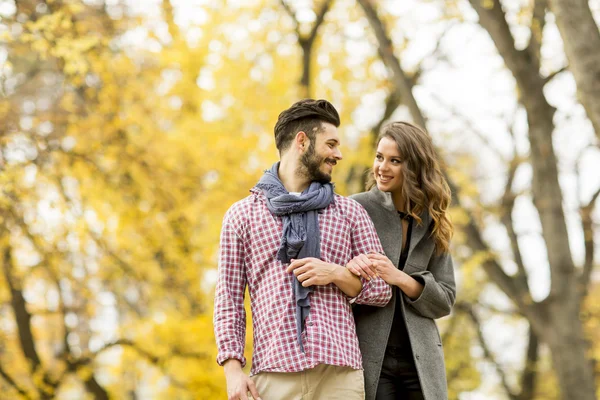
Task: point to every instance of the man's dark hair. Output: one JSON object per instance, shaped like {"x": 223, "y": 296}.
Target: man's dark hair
{"x": 307, "y": 116}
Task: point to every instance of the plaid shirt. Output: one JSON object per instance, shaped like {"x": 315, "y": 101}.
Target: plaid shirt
{"x": 250, "y": 238}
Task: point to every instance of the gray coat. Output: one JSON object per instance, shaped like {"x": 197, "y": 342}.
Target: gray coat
{"x": 436, "y": 273}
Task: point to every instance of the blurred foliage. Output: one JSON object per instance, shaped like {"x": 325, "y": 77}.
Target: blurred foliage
{"x": 125, "y": 136}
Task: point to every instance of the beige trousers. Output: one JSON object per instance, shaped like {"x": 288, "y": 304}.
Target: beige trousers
{"x": 324, "y": 382}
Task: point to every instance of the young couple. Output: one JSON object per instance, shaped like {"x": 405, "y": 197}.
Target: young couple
{"x": 337, "y": 285}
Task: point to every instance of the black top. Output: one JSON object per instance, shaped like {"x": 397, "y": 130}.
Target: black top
{"x": 399, "y": 335}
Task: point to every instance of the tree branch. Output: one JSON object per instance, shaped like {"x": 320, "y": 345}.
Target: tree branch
{"x": 306, "y": 43}
{"x": 507, "y": 204}
{"x": 290, "y": 12}
{"x": 538, "y": 21}
{"x": 23, "y": 319}
{"x": 587, "y": 223}
{"x": 402, "y": 85}
{"x": 547, "y": 194}
{"x": 154, "y": 359}
{"x": 386, "y": 51}
{"x": 488, "y": 354}
{"x": 553, "y": 74}
{"x": 319, "y": 21}
{"x": 469, "y": 124}
{"x": 529, "y": 375}
{"x": 13, "y": 384}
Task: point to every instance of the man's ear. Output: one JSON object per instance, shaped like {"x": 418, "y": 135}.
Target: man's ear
{"x": 301, "y": 141}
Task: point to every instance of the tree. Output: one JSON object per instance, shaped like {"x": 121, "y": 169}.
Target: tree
{"x": 581, "y": 39}
{"x": 555, "y": 320}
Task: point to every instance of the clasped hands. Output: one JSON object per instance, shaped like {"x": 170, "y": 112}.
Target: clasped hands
{"x": 375, "y": 265}
{"x": 313, "y": 271}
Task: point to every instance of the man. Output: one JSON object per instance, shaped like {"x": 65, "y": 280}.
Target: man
{"x": 289, "y": 241}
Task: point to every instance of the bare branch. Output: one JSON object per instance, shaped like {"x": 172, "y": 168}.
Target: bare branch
{"x": 319, "y": 21}
{"x": 94, "y": 388}
{"x": 538, "y": 21}
{"x": 392, "y": 102}
{"x": 23, "y": 319}
{"x": 546, "y": 190}
{"x": 386, "y": 51}
{"x": 587, "y": 223}
{"x": 306, "y": 43}
{"x": 507, "y": 204}
{"x": 469, "y": 124}
{"x": 291, "y": 14}
{"x": 553, "y": 74}
{"x": 154, "y": 359}
{"x": 403, "y": 87}
{"x": 488, "y": 354}
{"x": 529, "y": 375}
{"x": 13, "y": 384}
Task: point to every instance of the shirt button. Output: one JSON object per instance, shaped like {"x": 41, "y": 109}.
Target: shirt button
{"x": 309, "y": 323}
{"x": 417, "y": 356}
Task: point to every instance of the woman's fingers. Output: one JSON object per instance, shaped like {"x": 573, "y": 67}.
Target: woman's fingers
{"x": 361, "y": 265}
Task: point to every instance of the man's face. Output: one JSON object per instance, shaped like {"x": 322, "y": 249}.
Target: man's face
{"x": 322, "y": 154}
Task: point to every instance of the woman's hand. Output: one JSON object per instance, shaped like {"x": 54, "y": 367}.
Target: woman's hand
{"x": 361, "y": 265}
{"x": 393, "y": 276}
{"x": 385, "y": 268}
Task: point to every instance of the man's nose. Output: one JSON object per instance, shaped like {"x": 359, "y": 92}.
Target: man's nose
{"x": 337, "y": 154}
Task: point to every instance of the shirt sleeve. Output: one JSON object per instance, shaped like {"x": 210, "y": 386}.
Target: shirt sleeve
{"x": 375, "y": 292}
{"x": 229, "y": 318}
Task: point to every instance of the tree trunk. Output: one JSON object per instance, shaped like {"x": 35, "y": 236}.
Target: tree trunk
{"x": 565, "y": 337}
{"x": 582, "y": 45}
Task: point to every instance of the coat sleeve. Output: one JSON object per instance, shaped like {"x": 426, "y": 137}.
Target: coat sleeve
{"x": 439, "y": 288}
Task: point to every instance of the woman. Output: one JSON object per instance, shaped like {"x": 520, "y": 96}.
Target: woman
{"x": 408, "y": 203}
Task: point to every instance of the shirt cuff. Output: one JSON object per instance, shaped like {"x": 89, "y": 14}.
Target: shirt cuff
{"x": 222, "y": 357}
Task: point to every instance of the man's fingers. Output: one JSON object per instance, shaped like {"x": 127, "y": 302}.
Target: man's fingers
{"x": 354, "y": 270}
{"x": 301, "y": 270}
{"x": 253, "y": 390}
{"x": 297, "y": 264}
{"x": 308, "y": 282}
{"x": 303, "y": 277}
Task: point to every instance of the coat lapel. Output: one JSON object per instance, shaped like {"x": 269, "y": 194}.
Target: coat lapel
{"x": 418, "y": 230}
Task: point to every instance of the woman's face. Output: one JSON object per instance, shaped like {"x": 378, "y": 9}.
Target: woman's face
{"x": 387, "y": 167}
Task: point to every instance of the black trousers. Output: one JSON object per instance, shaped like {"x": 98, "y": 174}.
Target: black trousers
{"x": 399, "y": 379}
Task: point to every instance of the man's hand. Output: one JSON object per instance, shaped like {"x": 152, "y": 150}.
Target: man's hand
{"x": 238, "y": 383}
{"x": 312, "y": 271}
{"x": 362, "y": 265}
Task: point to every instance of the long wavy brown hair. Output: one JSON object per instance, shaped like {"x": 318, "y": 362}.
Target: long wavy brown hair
{"x": 424, "y": 185}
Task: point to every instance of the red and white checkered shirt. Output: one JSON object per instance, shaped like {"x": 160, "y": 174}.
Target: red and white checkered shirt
{"x": 250, "y": 238}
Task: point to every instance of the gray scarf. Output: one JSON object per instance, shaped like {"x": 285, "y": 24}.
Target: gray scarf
{"x": 301, "y": 236}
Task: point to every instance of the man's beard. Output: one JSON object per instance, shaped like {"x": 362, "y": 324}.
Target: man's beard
{"x": 310, "y": 165}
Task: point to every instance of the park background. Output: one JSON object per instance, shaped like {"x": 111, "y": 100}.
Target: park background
{"x": 128, "y": 127}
